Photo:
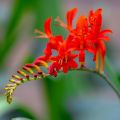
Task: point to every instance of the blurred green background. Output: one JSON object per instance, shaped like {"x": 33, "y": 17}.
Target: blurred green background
{"x": 75, "y": 96}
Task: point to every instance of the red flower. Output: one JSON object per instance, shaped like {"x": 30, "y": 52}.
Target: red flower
{"x": 98, "y": 36}
{"x": 95, "y": 19}
{"x": 69, "y": 17}
{"x": 86, "y": 36}
{"x": 53, "y": 69}
{"x": 78, "y": 37}
{"x": 54, "y": 41}
{"x": 63, "y": 61}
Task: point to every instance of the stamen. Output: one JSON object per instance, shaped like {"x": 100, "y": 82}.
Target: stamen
{"x": 102, "y": 65}
{"x": 97, "y": 61}
{"x": 42, "y": 34}
{"x": 61, "y": 23}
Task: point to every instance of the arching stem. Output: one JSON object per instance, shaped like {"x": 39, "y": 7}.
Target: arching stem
{"x": 104, "y": 77}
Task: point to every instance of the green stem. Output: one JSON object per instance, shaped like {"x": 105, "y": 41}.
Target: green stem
{"x": 102, "y": 76}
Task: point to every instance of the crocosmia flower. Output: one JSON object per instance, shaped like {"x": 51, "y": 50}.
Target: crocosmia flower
{"x": 62, "y": 55}
{"x": 54, "y": 41}
{"x": 64, "y": 60}
{"x": 87, "y": 35}
{"x": 98, "y": 36}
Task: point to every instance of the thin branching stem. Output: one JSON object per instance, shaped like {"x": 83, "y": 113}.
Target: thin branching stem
{"x": 10, "y": 89}
{"x": 105, "y": 77}
{"x": 102, "y": 75}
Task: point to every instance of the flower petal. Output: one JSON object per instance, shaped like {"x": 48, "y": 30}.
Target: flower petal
{"x": 102, "y": 48}
{"x": 106, "y": 38}
{"x": 47, "y": 27}
{"x": 53, "y": 69}
{"x": 91, "y": 49}
{"x": 95, "y": 19}
{"x": 48, "y": 50}
{"x": 98, "y": 11}
{"x": 73, "y": 64}
{"x": 70, "y": 16}
{"x": 106, "y": 31}
{"x": 81, "y": 56}
{"x": 65, "y": 68}
{"x": 82, "y": 25}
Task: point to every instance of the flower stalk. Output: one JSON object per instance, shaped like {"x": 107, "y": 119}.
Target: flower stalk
{"x": 86, "y": 36}
{"x": 105, "y": 77}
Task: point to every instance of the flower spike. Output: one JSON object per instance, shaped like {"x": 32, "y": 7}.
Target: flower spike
{"x": 70, "y": 52}
{"x": 23, "y": 76}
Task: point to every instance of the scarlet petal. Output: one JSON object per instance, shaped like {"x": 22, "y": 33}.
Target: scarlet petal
{"x": 106, "y": 31}
{"x": 98, "y": 11}
{"x": 48, "y": 50}
{"x": 92, "y": 50}
{"x": 65, "y": 68}
{"x": 58, "y": 38}
{"x": 70, "y": 16}
{"x": 73, "y": 56}
{"x": 73, "y": 64}
{"x": 50, "y": 69}
{"x": 47, "y": 27}
{"x": 82, "y": 23}
{"x": 102, "y": 48}
{"x": 99, "y": 21}
{"x": 90, "y": 14}
{"x": 95, "y": 19}
{"x": 106, "y": 38}
{"x": 53, "y": 69}
{"x": 81, "y": 56}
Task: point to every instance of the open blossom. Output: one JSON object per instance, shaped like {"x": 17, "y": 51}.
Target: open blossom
{"x": 87, "y": 35}
{"x": 65, "y": 54}
{"x": 53, "y": 41}
{"x": 98, "y": 36}
{"x": 64, "y": 60}
{"x": 78, "y": 36}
